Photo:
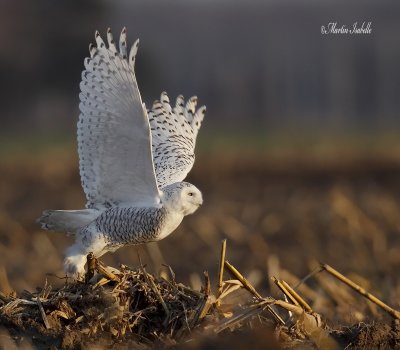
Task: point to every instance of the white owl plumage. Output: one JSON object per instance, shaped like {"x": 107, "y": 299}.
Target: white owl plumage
{"x": 132, "y": 160}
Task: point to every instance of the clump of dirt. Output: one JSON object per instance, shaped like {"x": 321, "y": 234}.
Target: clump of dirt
{"x": 130, "y": 308}
{"x": 374, "y": 335}
{"x": 117, "y": 304}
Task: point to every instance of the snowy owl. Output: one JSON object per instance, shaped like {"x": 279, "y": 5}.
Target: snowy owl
{"x": 132, "y": 161}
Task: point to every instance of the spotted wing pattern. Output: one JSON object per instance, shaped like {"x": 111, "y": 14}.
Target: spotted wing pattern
{"x": 174, "y": 132}
{"x": 114, "y": 138}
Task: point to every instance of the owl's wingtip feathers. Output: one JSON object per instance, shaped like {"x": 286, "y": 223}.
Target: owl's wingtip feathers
{"x": 133, "y": 52}
{"x": 92, "y": 50}
{"x": 122, "y": 43}
{"x": 123, "y": 46}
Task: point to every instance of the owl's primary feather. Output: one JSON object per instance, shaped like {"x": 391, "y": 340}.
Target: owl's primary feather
{"x": 132, "y": 161}
{"x": 174, "y": 133}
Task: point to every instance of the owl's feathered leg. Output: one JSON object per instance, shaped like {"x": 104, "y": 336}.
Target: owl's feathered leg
{"x": 75, "y": 260}
{"x": 76, "y": 255}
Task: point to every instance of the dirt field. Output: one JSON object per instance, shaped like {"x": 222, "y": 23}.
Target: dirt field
{"x": 281, "y": 216}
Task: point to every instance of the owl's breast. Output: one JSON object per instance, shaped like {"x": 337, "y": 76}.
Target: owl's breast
{"x": 131, "y": 225}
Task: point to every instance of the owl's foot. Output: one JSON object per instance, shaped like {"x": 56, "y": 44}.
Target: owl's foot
{"x": 74, "y": 266}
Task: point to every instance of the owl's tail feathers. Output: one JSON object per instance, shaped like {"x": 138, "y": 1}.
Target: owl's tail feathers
{"x": 68, "y": 221}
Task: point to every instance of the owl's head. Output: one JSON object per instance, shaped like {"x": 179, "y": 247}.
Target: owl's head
{"x": 182, "y": 197}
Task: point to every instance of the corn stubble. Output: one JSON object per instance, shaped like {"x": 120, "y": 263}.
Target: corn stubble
{"x": 110, "y": 307}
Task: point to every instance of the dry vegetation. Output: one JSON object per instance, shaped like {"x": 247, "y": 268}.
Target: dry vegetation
{"x": 280, "y": 219}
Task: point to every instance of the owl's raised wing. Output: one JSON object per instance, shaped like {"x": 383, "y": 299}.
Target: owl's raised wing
{"x": 114, "y": 138}
{"x": 174, "y": 132}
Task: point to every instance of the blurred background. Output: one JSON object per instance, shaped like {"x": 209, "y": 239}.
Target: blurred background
{"x": 298, "y": 158}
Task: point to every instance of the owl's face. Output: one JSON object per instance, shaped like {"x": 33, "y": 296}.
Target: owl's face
{"x": 191, "y": 198}
{"x": 182, "y": 197}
